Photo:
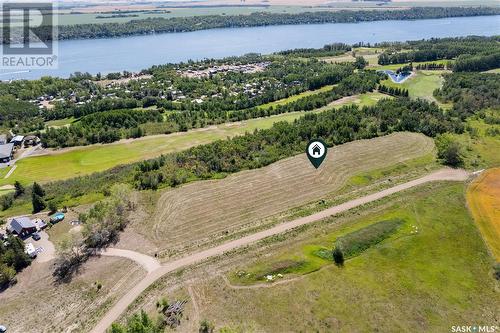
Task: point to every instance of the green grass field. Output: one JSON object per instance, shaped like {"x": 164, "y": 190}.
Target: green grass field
{"x": 396, "y": 66}
{"x": 60, "y": 122}
{"x": 295, "y": 97}
{"x": 86, "y": 160}
{"x": 422, "y": 85}
{"x": 432, "y": 273}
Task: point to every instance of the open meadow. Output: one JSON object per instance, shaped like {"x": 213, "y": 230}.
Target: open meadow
{"x": 206, "y": 210}
{"x": 389, "y": 287}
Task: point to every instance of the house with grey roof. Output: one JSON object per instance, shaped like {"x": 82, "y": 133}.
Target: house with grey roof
{"x": 6, "y": 152}
{"x": 22, "y": 226}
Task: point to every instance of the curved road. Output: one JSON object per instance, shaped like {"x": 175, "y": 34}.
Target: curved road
{"x": 122, "y": 304}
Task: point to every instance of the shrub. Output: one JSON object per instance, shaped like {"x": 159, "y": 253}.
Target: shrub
{"x": 338, "y": 256}
{"x": 206, "y": 326}
{"x": 6, "y": 201}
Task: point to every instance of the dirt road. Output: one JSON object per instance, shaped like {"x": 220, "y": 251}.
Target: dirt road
{"x": 115, "y": 312}
{"x": 150, "y": 264}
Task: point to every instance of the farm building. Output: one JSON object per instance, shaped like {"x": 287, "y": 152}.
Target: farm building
{"x": 22, "y": 226}
{"x": 6, "y": 152}
{"x": 17, "y": 140}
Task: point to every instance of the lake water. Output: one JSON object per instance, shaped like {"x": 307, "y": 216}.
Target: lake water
{"x": 139, "y": 52}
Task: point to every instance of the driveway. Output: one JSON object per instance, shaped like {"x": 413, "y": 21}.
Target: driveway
{"x": 127, "y": 299}
{"x": 49, "y": 250}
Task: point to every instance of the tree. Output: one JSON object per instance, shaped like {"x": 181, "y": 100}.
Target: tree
{"x": 38, "y": 203}
{"x": 19, "y": 189}
{"x": 449, "y": 150}
{"x": 338, "y": 256}
{"x": 52, "y": 206}
{"x": 7, "y": 274}
{"x": 360, "y": 62}
{"x": 38, "y": 190}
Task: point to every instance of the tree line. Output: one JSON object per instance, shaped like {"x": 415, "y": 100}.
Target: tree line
{"x": 101, "y": 127}
{"x": 264, "y": 147}
{"x": 393, "y": 91}
{"x": 184, "y": 24}
{"x": 474, "y": 53}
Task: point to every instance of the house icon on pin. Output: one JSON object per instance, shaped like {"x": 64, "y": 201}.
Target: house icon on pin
{"x": 316, "y": 150}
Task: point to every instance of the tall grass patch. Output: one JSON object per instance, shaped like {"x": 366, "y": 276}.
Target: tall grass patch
{"x": 354, "y": 243}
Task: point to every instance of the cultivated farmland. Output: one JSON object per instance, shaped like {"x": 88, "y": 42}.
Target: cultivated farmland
{"x": 483, "y": 199}
{"x": 205, "y": 210}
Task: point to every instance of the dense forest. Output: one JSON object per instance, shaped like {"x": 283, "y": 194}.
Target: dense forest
{"x": 470, "y": 92}
{"x": 101, "y": 127}
{"x": 183, "y": 24}
{"x": 327, "y": 50}
{"x": 472, "y": 53}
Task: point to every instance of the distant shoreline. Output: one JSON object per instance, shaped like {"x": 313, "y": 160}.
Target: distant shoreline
{"x": 196, "y": 23}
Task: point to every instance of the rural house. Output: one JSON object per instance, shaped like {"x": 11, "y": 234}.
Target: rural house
{"x": 17, "y": 140}
{"x": 22, "y": 226}
{"x": 6, "y": 152}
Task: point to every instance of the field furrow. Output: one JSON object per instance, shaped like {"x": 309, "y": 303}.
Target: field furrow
{"x": 205, "y": 209}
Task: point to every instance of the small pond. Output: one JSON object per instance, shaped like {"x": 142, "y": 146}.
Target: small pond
{"x": 397, "y": 77}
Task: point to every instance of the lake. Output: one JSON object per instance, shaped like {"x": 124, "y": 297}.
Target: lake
{"x": 139, "y": 52}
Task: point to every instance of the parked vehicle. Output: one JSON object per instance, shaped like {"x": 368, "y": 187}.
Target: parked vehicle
{"x": 3, "y": 329}
{"x": 36, "y": 236}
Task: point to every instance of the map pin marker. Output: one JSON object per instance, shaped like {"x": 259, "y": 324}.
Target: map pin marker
{"x": 316, "y": 152}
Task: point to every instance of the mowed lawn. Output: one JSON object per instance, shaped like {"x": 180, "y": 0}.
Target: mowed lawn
{"x": 295, "y": 97}
{"x": 86, "y": 160}
{"x": 421, "y": 85}
{"x": 483, "y": 197}
{"x": 422, "y": 281}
